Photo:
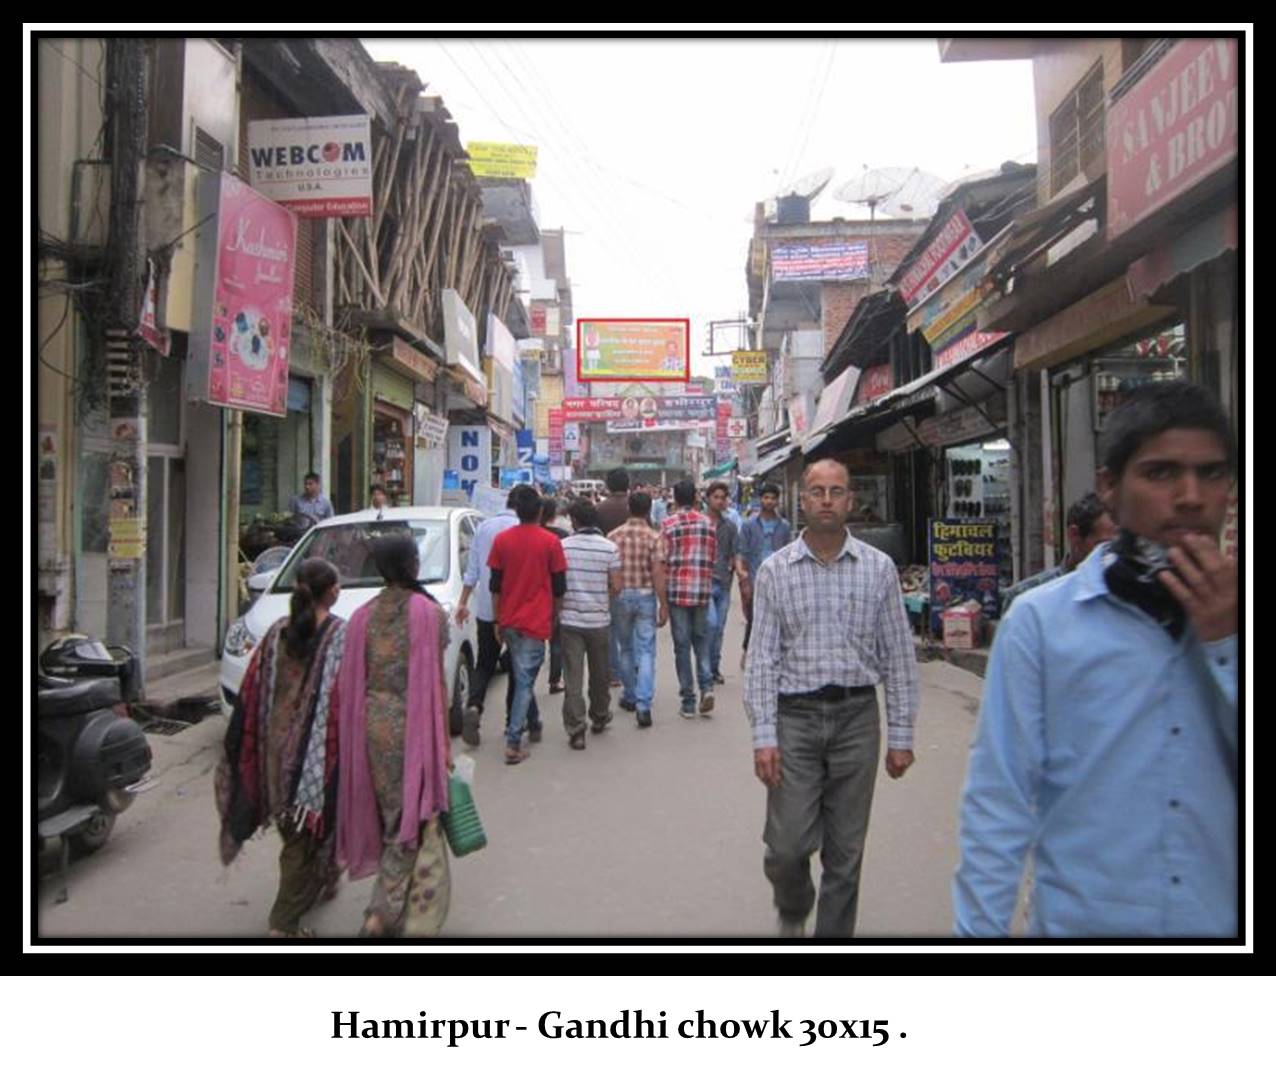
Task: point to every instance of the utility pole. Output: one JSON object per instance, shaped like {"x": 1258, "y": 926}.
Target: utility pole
{"x": 126, "y": 381}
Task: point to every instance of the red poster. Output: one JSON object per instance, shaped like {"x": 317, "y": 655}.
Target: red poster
{"x": 1177, "y": 125}
{"x": 878, "y": 380}
{"x": 252, "y": 301}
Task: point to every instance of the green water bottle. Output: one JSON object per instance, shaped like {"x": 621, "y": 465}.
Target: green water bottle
{"x": 461, "y": 821}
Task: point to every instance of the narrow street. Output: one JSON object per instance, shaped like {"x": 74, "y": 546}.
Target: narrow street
{"x": 647, "y": 833}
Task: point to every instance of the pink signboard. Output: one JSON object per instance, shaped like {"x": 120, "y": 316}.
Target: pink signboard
{"x": 967, "y": 346}
{"x": 244, "y": 329}
{"x": 556, "y": 436}
{"x": 1176, "y": 126}
{"x": 955, "y": 244}
{"x": 878, "y": 380}
{"x": 592, "y": 408}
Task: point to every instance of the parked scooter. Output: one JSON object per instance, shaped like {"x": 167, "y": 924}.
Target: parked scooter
{"x": 91, "y": 757}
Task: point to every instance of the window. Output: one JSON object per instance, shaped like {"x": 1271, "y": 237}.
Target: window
{"x": 1076, "y": 131}
{"x": 464, "y": 537}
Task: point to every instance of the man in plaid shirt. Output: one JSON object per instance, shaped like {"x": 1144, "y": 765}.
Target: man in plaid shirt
{"x": 690, "y": 549}
{"x": 634, "y": 617}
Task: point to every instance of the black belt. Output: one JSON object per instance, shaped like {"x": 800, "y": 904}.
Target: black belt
{"x": 832, "y": 693}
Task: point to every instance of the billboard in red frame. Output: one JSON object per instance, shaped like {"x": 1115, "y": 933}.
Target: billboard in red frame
{"x": 633, "y": 350}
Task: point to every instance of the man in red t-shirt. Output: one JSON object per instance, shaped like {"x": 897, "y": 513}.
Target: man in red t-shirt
{"x": 529, "y": 578}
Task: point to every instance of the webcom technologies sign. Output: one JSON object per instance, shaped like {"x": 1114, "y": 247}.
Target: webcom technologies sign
{"x": 316, "y": 167}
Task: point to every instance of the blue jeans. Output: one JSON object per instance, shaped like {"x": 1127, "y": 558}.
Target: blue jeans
{"x": 690, "y": 625}
{"x": 719, "y": 604}
{"x": 526, "y": 655}
{"x": 614, "y": 646}
{"x": 633, "y": 628}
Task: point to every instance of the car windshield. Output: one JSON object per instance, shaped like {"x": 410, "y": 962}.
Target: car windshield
{"x": 349, "y": 548}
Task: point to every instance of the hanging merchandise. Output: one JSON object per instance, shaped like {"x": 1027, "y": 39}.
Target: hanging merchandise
{"x": 390, "y": 455}
{"x": 979, "y": 490}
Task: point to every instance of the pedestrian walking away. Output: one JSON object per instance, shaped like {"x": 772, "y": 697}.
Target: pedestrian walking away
{"x": 761, "y": 535}
{"x": 829, "y": 626}
{"x": 1107, "y": 741}
{"x": 727, "y": 565}
{"x": 395, "y": 751}
{"x": 642, "y": 606}
{"x": 549, "y": 517}
{"x": 690, "y": 547}
{"x": 613, "y": 511}
{"x": 529, "y": 578}
{"x": 593, "y": 578}
{"x": 279, "y": 759}
{"x": 477, "y": 585}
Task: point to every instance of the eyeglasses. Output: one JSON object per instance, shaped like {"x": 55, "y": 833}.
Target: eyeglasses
{"x": 833, "y": 494}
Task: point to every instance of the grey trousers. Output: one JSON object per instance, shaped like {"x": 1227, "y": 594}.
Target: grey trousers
{"x": 581, "y": 646}
{"x": 828, "y": 765}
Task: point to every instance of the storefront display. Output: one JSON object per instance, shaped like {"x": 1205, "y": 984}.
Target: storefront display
{"x": 391, "y": 462}
{"x": 979, "y": 489}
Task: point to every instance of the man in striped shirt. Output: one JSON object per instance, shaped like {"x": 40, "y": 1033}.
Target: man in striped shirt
{"x": 828, "y": 626}
{"x": 690, "y": 549}
{"x": 593, "y": 578}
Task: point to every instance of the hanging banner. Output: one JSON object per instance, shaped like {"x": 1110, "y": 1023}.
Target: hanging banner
{"x": 242, "y": 328}
{"x": 963, "y": 566}
{"x": 490, "y": 159}
{"x": 148, "y": 328}
{"x": 667, "y": 413}
{"x": 316, "y": 167}
{"x": 469, "y": 452}
{"x": 555, "y": 436}
{"x": 626, "y": 350}
{"x": 819, "y": 261}
{"x": 749, "y": 366}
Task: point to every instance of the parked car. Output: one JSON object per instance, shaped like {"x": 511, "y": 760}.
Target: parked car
{"x": 444, "y": 535}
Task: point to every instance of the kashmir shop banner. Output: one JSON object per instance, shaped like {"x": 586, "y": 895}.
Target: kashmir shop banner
{"x": 633, "y": 350}
{"x": 244, "y": 280}
{"x": 963, "y": 567}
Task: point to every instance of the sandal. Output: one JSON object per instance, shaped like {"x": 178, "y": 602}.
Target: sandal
{"x": 300, "y": 931}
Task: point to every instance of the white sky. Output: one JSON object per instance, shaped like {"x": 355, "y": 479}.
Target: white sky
{"x": 654, "y": 152}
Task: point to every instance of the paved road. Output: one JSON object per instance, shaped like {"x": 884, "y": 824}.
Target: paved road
{"x": 653, "y": 832}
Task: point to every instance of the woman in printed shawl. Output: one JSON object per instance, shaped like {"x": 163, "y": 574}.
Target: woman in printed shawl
{"x": 395, "y": 750}
{"x": 280, "y": 760}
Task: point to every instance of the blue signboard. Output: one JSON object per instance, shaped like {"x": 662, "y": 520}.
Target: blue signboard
{"x": 963, "y": 566}
{"x": 451, "y": 480}
{"x": 510, "y": 477}
{"x": 526, "y": 442}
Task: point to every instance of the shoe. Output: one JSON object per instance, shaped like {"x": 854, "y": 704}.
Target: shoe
{"x": 577, "y": 741}
{"x": 536, "y": 734}
{"x": 554, "y": 689}
{"x": 628, "y": 705}
{"x": 718, "y": 678}
{"x": 790, "y": 928}
{"x": 644, "y": 719}
{"x": 515, "y": 755}
{"x": 601, "y": 726}
{"x": 470, "y": 725}
{"x": 706, "y": 703}
{"x": 688, "y": 712}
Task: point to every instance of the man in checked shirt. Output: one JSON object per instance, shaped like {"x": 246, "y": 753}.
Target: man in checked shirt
{"x": 828, "y": 627}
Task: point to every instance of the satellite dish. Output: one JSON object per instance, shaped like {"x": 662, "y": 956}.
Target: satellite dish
{"x": 808, "y": 186}
{"x": 897, "y": 192}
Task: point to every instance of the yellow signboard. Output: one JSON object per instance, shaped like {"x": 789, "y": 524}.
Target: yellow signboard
{"x": 749, "y": 366}
{"x": 489, "y": 159}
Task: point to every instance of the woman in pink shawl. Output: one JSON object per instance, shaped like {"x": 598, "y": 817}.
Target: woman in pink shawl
{"x": 395, "y": 751}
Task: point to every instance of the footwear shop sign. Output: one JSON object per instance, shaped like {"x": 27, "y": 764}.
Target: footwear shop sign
{"x": 316, "y": 167}
{"x": 242, "y": 330}
{"x": 1176, "y": 126}
{"x": 963, "y": 566}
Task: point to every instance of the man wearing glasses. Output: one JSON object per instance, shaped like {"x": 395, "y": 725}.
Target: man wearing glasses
{"x": 828, "y": 626}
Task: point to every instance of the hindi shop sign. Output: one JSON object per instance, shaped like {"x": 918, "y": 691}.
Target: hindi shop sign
{"x": 955, "y": 244}
{"x": 876, "y": 381}
{"x": 316, "y": 167}
{"x": 819, "y": 261}
{"x": 556, "y": 423}
{"x": 493, "y": 160}
{"x": 963, "y": 566}
{"x": 622, "y": 350}
{"x": 242, "y": 328}
{"x": 1176, "y": 126}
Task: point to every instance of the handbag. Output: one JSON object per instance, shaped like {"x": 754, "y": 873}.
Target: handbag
{"x": 461, "y": 822}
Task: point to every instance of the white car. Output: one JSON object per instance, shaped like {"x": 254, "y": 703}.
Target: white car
{"x": 443, "y": 534}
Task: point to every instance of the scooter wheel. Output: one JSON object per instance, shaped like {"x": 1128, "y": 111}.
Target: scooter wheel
{"x": 89, "y": 838}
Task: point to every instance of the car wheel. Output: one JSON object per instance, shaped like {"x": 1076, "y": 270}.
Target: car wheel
{"x": 91, "y": 837}
{"x": 460, "y": 694}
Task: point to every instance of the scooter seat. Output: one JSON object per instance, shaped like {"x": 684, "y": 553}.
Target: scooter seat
{"x": 68, "y": 698}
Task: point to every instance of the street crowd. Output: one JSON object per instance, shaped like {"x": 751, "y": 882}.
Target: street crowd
{"x": 1106, "y": 749}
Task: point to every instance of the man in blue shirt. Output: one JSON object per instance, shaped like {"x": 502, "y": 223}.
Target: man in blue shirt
{"x": 760, "y": 537}
{"x": 1088, "y": 524}
{"x": 312, "y": 504}
{"x": 1107, "y": 742}
{"x": 477, "y": 578}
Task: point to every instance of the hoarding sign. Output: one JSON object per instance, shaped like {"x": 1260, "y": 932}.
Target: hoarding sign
{"x": 816, "y": 261}
{"x": 470, "y": 453}
{"x": 967, "y": 346}
{"x": 963, "y": 566}
{"x": 592, "y": 408}
{"x": 556, "y": 436}
{"x": 460, "y": 336}
{"x": 538, "y": 319}
{"x": 671, "y": 412}
{"x": 749, "y": 366}
{"x": 955, "y": 244}
{"x": 633, "y": 350}
{"x": 316, "y": 167}
{"x": 876, "y": 381}
{"x": 724, "y": 383}
{"x": 500, "y": 345}
{"x": 494, "y": 160}
{"x": 242, "y": 329}
{"x": 526, "y": 442}
{"x": 1176, "y": 126}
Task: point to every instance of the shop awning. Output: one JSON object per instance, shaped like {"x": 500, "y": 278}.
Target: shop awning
{"x": 1199, "y": 244}
{"x": 774, "y": 460}
{"x": 719, "y": 470}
